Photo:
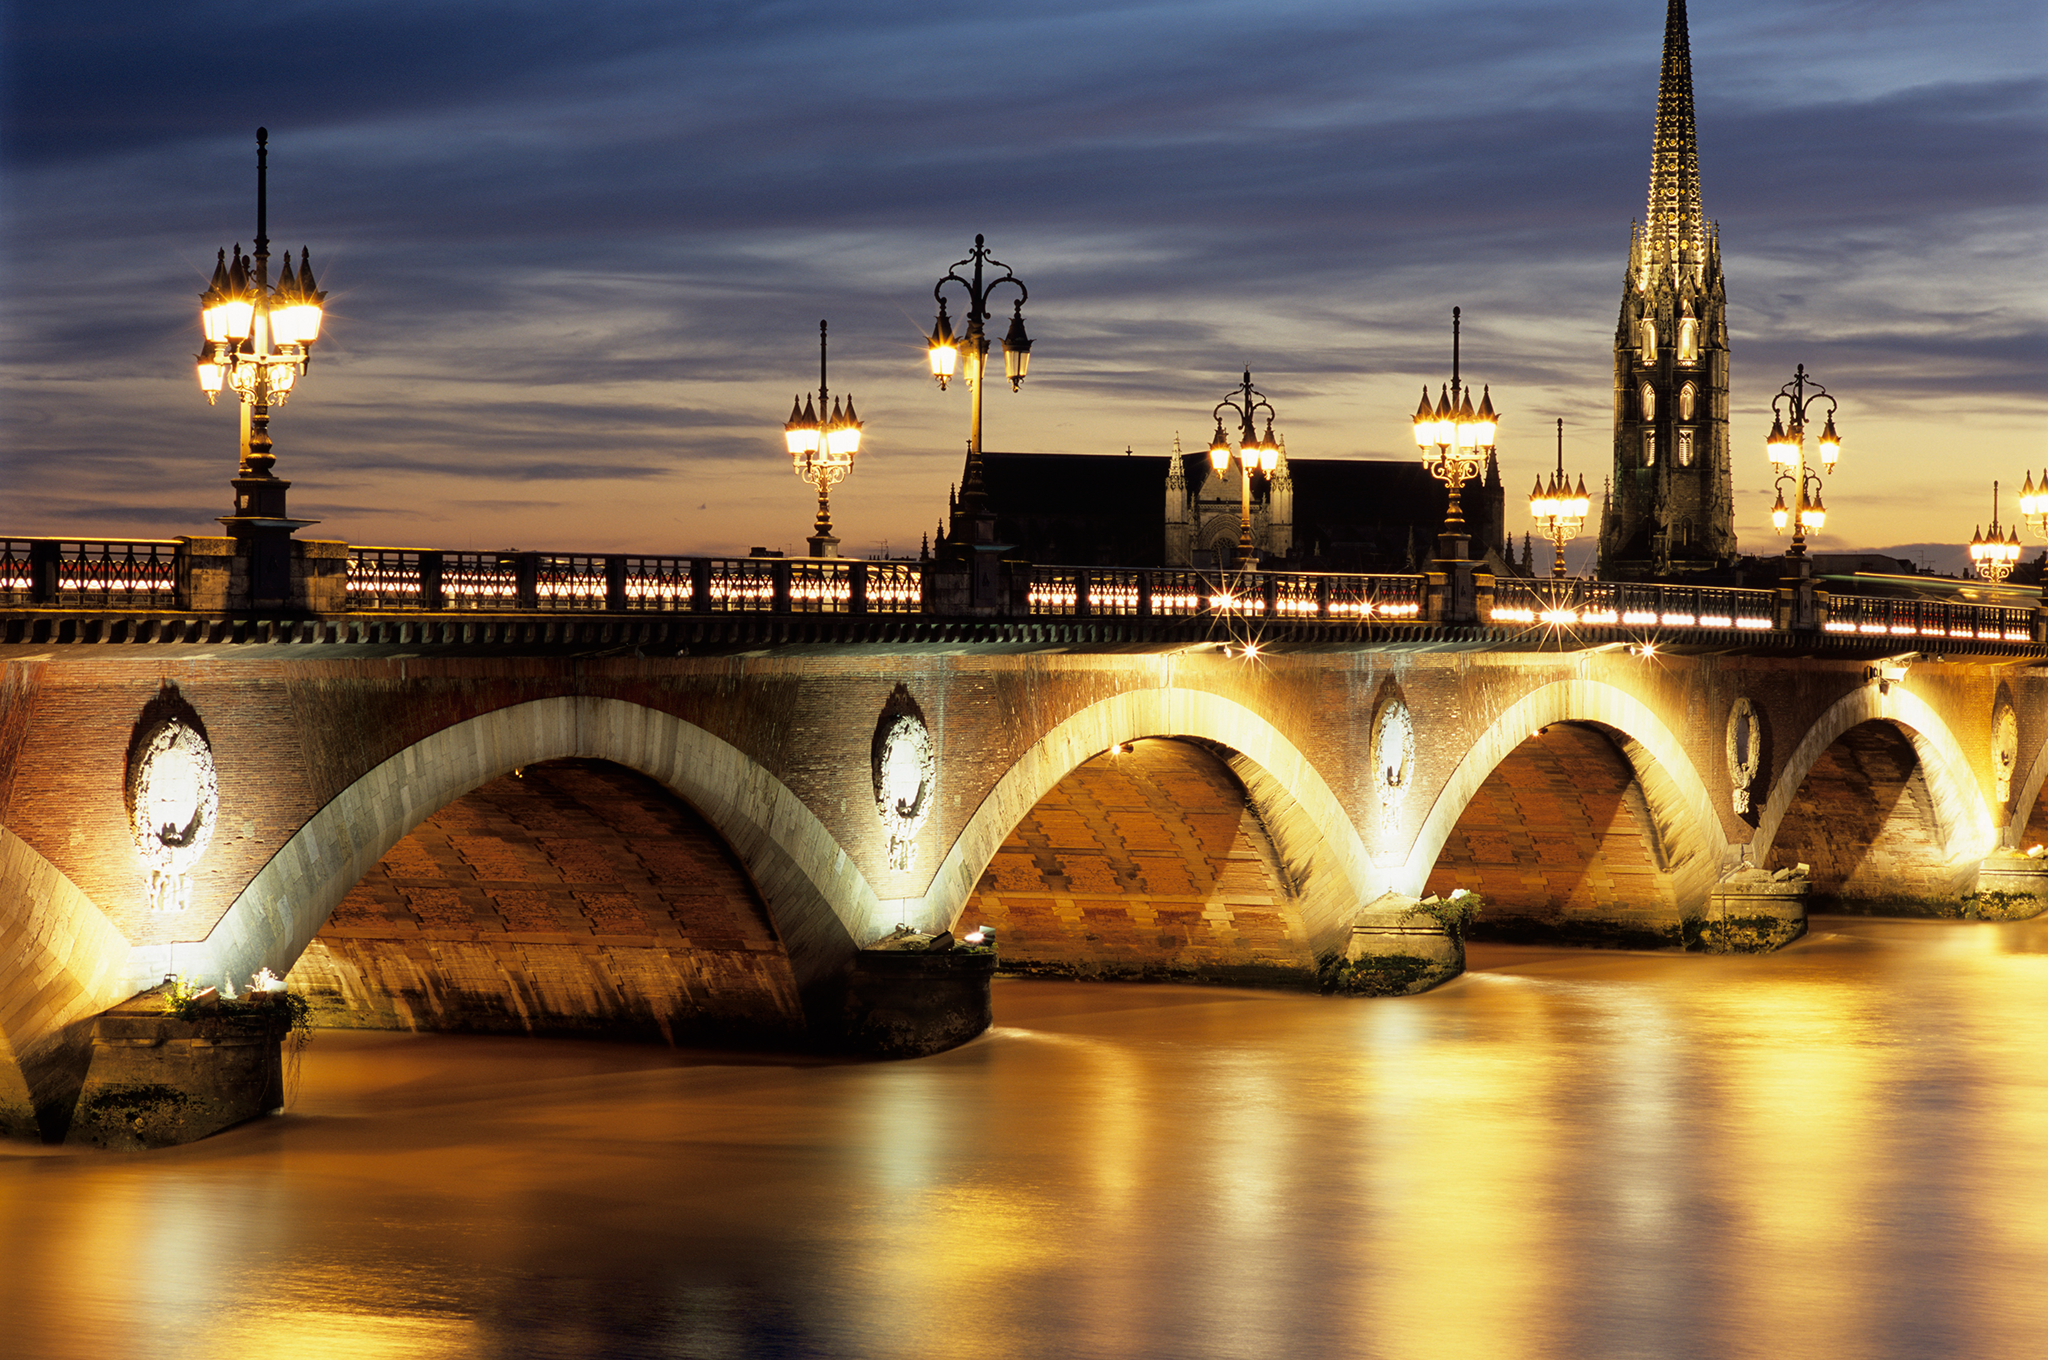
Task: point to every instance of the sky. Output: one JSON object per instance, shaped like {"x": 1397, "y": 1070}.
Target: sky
{"x": 577, "y": 255}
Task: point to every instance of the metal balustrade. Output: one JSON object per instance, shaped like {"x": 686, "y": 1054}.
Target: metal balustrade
{"x": 105, "y": 573}
{"x": 1119, "y": 592}
{"x": 1622, "y": 604}
{"x": 1882, "y": 616}
{"x": 146, "y": 574}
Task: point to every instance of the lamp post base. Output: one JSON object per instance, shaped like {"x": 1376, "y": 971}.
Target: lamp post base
{"x": 823, "y": 545}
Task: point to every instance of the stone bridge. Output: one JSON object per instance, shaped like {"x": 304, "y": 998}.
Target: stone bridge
{"x": 568, "y": 837}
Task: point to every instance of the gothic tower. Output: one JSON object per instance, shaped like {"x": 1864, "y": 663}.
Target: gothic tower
{"x": 1672, "y": 506}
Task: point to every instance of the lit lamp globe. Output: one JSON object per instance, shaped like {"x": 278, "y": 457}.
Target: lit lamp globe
{"x": 943, "y": 348}
{"x": 1016, "y": 350}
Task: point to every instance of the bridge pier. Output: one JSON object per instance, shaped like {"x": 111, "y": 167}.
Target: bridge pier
{"x": 1754, "y": 911}
{"x": 158, "y": 1080}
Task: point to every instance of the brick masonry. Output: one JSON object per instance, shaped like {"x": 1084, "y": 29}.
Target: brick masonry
{"x": 1559, "y": 831}
{"x": 570, "y": 897}
{"x": 1863, "y": 820}
{"x": 1138, "y": 862}
{"x": 329, "y": 754}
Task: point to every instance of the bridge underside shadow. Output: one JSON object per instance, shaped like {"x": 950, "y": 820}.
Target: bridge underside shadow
{"x": 573, "y": 897}
{"x": 1866, "y": 822}
{"x": 1145, "y": 862}
{"x": 1560, "y": 842}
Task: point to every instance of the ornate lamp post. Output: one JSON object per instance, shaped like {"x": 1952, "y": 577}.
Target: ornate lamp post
{"x": 1455, "y": 440}
{"x": 1559, "y": 510}
{"x": 1993, "y": 557}
{"x": 973, "y": 522}
{"x": 821, "y": 450}
{"x": 259, "y": 340}
{"x": 1790, "y": 410}
{"x": 1252, "y": 452}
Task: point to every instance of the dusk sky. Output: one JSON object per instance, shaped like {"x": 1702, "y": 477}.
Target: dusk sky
{"x": 577, "y": 254}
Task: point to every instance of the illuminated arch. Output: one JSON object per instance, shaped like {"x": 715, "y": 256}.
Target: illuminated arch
{"x": 820, "y": 905}
{"x": 1961, "y": 816}
{"x": 1678, "y": 800}
{"x": 2028, "y": 790}
{"x": 1309, "y": 825}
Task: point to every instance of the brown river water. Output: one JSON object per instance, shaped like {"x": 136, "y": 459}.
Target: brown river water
{"x": 1835, "y": 1151}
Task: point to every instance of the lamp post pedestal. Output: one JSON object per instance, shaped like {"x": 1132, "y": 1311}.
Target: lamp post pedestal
{"x": 1799, "y": 602}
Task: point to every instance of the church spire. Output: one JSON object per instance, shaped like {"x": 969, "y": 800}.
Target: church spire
{"x": 1673, "y": 227}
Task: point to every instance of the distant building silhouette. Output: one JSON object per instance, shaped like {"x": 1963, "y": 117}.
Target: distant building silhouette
{"x": 1311, "y": 514}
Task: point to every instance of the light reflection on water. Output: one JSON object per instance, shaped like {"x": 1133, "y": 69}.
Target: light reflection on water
{"x": 1833, "y": 1151}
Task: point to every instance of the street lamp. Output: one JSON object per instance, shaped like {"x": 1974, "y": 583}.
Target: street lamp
{"x": 1253, "y": 451}
{"x": 821, "y": 450}
{"x": 259, "y": 340}
{"x": 1559, "y": 511}
{"x": 944, "y": 348}
{"x": 1993, "y": 557}
{"x": 1787, "y": 447}
{"x": 1461, "y": 438}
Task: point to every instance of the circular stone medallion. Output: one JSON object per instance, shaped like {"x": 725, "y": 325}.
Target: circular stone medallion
{"x": 906, "y": 782}
{"x": 173, "y": 803}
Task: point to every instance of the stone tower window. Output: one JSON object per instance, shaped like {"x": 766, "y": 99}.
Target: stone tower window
{"x": 1646, "y": 340}
{"x": 1688, "y": 340}
{"x": 1685, "y": 448}
{"x": 1649, "y": 448}
{"x": 1649, "y": 395}
{"x": 1688, "y": 400}
{"x": 1681, "y": 534}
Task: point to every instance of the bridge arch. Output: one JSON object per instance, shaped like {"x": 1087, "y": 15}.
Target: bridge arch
{"x": 1962, "y": 817}
{"x": 1328, "y": 860}
{"x": 2026, "y": 793}
{"x": 1677, "y": 798}
{"x": 821, "y": 906}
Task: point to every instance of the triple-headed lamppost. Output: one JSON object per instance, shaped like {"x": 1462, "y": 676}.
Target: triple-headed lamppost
{"x": 1787, "y": 446}
{"x": 1252, "y": 452}
{"x": 1994, "y": 557}
{"x": 1462, "y": 438}
{"x": 1559, "y": 511}
{"x": 821, "y": 448}
{"x": 974, "y": 526}
{"x": 259, "y": 339}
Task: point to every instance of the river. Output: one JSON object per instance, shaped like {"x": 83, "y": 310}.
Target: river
{"x": 1834, "y": 1151}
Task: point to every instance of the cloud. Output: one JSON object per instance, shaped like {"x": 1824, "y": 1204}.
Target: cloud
{"x": 586, "y": 250}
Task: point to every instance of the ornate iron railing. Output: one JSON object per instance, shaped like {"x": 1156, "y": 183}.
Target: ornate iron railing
{"x": 1878, "y": 615}
{"x": 148, "y": 574}
{"x": 107, "y": 573}
{"x": 1622, "y": 604}
{"x": 1122, "y": 592}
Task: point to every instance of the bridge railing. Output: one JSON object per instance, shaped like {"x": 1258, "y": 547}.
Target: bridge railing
{"x": 1624, "y": 604}
{"x": 415, "y": 579}
{"x": 107, "y": 573}
{"x": 1125, "y": 592}
{"x": 1879, "y": 615}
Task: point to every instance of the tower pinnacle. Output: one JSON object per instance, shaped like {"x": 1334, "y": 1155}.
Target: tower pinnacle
{"x": 1673, "y": 229}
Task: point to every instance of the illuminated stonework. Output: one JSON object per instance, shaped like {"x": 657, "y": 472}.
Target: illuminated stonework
{"x": 906, "y": 782}
{"x": 1745, "y": 752}
{"x": 173, "y": 802}
{"x": 1393, "y": 759}
{"x": 2005, "y": 752}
